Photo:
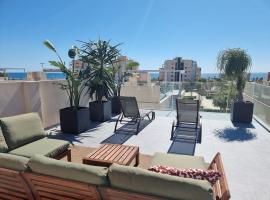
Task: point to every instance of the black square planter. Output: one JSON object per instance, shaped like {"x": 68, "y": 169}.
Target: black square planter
{"x": 100, "y": 112}
{"x": 242, "y": 111}
{"x": 116, "y": 105}
{"x": 74, "y": 120}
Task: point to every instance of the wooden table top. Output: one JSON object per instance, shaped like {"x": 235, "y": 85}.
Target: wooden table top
{"x": 107, "y": 154}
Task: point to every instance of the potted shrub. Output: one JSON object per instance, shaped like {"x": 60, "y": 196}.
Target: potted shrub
{"x": 120, "y": 77}
{"x": 100, "y": 56}
{"x": 75, "y": 118}
{"x": 234, "y": 64}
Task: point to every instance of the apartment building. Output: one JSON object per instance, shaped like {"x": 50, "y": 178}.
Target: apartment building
{"x": 178, "y": 70}
{"x": 138, "y": 77}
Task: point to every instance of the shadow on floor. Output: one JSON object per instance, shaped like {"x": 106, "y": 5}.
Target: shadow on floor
{"x": 117, "y": 138}
{"x": 184, "y": 147}
{"x": 131, "y": 128}
{"x": 125, "y": 132}
{"x": 238, "y": 133}
{"x": 57, "y": 134}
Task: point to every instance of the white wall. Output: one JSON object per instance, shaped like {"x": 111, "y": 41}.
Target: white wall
{"x": 143, "y": 94}
{"x": 44, "y": 97}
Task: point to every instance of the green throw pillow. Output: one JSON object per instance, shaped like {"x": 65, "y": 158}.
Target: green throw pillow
{"x": 21, "y": 129}
{"x": 3, "y": 144}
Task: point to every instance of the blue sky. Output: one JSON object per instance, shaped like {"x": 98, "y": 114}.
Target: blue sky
{"x": 151, "y": 30}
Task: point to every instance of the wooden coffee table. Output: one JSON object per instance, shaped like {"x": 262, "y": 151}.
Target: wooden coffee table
{"x": 108, "y": 154}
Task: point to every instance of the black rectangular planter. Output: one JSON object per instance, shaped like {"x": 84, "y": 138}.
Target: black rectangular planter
{"x": 116, "y": 105}
{"x": 74, "y": 120}
{"x": 100, "y": 111}
{"x": 242, "y": 111}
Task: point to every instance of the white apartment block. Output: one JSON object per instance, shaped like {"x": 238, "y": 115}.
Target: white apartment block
{"x": 179, "y": 70}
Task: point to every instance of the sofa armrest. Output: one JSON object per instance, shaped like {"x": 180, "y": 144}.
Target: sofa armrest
{"x": 220, "y": 188}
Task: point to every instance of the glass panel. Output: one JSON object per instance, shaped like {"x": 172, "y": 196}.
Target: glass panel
{"x": 260, "y": 96}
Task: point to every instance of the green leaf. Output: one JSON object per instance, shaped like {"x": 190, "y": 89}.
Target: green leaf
{"x": 49, "y": 45}
{"x": 55, "y": 63}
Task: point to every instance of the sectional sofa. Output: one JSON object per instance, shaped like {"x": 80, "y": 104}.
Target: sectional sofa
{"x": 40, "y": 176}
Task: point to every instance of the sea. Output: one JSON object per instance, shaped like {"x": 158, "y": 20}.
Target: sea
{"x": 253, "y": 75}
{"x": 23, "y": 76}
{"x": 154, "y": 75}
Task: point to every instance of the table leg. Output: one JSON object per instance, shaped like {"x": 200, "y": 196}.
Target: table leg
{"x": 137, "y": 160}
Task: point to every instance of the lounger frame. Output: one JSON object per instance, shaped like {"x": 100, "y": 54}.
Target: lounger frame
{"x": 134, "y": 117}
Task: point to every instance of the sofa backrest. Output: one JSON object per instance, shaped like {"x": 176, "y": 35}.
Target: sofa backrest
{"x": 3, "y": 144}
{"x": 21, "y": 129}
{"x": 13, "y": 186}
{"x": 93, "y": 175}
{"x": 150, "y": 183}
{"x": 13, "y": 162}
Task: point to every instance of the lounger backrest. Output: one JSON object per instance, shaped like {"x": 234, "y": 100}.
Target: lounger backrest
{"x": 129, "y": 107}
{"x": 187, "y": 110}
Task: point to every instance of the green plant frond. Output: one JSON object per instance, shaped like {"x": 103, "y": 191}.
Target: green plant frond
{"x": 75, "y": 82}
{"x": 49, "y": 45}
{"x": 55, "y": 63}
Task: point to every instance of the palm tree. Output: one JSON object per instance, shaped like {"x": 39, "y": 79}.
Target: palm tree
{"x": 234, "y": 64}
{"x": 132, "y": 65}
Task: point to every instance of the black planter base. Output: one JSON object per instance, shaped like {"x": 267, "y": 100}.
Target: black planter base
{"x": 116, "y": 105}
{"x": 73, "y": 120}
{"x": 242, "y": 112}
{"x": 100, "y": 112}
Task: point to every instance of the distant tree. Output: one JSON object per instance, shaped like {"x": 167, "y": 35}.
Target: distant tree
{"x": 3, "y": 74}
{"x": 132, "y": 65}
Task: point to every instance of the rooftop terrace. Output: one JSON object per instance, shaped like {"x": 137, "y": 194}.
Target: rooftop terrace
{"x": 244, "y": 148}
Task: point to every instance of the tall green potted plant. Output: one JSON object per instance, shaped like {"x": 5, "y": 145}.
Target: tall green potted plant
{"x": 100, "y": 55}
{"x": 234, "y": 64}
{"x": 75, "y": 118}
{"x": 121, "y": 77}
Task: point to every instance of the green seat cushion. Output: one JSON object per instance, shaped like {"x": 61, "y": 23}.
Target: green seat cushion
{"x": 17, "y": 163}
{"x": 45, "y": 146}
{"x": 73, "y": 171}
{"x": 3, "y": 144}
{"x": 179, "y": 161}
{"x": 146, "y": 182}
{"x": 21, "y": 129}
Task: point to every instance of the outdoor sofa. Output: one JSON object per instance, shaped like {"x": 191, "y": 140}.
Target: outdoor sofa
{"x": 41, "y": 177}
{"x": 29, "y": 170}
{"x": 23, "y": 135}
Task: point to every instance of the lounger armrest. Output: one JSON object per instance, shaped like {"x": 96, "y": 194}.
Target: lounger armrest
{"x": 220, "y": 188}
